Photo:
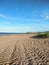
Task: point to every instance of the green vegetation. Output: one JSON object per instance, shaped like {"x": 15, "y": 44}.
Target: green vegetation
{"x": 43, "y": 34}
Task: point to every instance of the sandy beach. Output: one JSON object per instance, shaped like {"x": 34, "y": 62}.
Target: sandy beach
{"x": 23, "y": 49}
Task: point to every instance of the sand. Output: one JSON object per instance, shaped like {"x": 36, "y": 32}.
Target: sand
{"x": 23, "y": 49}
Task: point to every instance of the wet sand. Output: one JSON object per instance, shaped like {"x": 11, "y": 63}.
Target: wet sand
{"x": 23, "y": 49}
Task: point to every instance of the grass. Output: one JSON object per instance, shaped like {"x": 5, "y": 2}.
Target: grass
{"x": 43, "y": 34}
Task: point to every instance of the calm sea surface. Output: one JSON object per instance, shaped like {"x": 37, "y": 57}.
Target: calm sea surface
{"x": 3, "y": 34}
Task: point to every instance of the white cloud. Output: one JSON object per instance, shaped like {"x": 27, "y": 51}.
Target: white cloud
{"x": 15, "y": 18}
{"x": 47, "y": 17}
{"x": 7, "y": 17}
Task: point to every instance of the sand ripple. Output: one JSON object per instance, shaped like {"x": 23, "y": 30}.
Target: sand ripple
{"x": 26, "y": 51}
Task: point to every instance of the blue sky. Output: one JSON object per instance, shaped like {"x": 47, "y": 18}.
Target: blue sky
{"x": 24, "y": 15}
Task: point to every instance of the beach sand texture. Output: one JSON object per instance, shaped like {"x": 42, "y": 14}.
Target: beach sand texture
{"x": 22, "y": 49}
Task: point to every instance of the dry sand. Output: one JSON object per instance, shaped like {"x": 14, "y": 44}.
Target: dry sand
{"x": 21, "y": 49}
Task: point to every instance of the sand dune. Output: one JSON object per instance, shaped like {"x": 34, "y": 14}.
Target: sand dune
{"x": 21, "y": 49}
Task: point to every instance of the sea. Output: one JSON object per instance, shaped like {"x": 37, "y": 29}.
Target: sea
{"x": 3, "y": 34}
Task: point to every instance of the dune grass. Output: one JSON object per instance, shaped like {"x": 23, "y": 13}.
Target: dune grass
{"x": 43, "y": 34}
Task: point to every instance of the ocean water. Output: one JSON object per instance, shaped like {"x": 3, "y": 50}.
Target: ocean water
{"x": 3, "y": 34}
